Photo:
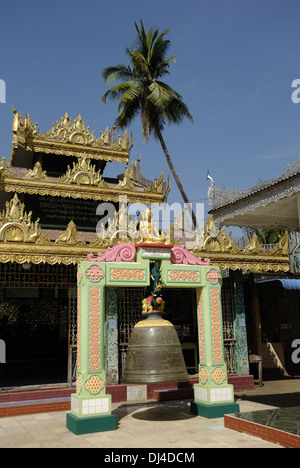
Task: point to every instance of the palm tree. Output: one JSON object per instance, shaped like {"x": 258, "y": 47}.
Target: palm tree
{"x": 141, "y": 92}
{"x": 266, "y": 236}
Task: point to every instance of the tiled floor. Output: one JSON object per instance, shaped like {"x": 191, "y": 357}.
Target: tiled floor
{"x": 149, "y": 425}
{"x": 168, "y": 425}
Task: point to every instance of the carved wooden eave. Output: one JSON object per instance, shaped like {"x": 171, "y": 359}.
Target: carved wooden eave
{"x": 81, "y": 181}
{"x": 69, "y": 138}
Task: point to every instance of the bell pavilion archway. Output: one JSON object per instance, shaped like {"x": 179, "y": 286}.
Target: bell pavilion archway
{"x": 126, "y": 265}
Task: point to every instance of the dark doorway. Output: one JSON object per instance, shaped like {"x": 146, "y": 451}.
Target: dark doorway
{"x": 34, "y": 326}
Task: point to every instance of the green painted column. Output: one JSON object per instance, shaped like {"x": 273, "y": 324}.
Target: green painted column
{"x": 91, "y": 405}
{"x": 214, "y": 397}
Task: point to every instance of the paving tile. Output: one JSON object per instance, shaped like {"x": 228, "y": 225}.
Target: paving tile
{"x": 140, "y": 425}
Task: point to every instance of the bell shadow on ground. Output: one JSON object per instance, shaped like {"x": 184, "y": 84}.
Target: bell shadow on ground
{"x": 156, "y": 411}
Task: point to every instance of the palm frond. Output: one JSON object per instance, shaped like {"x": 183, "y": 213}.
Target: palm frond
{"x": 169, "y": 102}
{"x": 130, "y": 109}
{"x": 169, "y": 89}
{"x": 152, "y": 45}
{"x": 140, "y": 65}
{"x": 116, "y": 91}
{"x": 176, "y": 110}
{"x": 161, "y": 46}
{"x": 115, "y": 73}
{"x": 132, "y": 93}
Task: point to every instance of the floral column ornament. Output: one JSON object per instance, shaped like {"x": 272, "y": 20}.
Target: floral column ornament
{"x": 213, "y": 395}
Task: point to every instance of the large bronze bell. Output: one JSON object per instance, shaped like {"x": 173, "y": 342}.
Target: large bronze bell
{"x": 154, "y": 350}
{"x": 154, "y": 353}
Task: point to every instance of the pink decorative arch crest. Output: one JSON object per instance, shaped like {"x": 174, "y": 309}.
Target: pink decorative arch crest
{"x": 122, "y": 252}
{"x": 179, "y": 255}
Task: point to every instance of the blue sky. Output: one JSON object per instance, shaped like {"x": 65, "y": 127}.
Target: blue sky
{"x": 236, "y": 60}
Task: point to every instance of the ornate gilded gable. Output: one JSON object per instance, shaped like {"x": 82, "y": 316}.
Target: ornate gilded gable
{"x": 83, "y": 173}
{"x": 127, "y": 182}
{"x": 82, "y": 181}
{"x": 210, "y": 239}
{"x": 36, "y": 173}
{"x": 71, "y": 236}
{"x": 77, "y": 132}
{"x": 159, "y": 185}
{"x": 70, "y": 138}
{"x": 16, "y": 224}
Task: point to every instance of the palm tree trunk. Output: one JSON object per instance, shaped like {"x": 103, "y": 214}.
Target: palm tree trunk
{"x": 175, "y": 175}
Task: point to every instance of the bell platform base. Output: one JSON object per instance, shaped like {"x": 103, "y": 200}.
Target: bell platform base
{"x": 213, "y": 411}
{"x": 91, "y": 424}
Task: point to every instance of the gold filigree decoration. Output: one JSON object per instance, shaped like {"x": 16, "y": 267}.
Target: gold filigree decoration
{"x": 83, "y": 173}
{"x": 209, "y": 239}
{"x": 23, "y": 127}
{"x": 16, "y": 224}
{"x": 127, "y": 181}
{"x": 36, "y": 173}
{"x": 5, "y": 168}
{"x": 69, "y": 138}
{"x": 105, "y": 194}
{"x": 158, "y": 185}
{"x": 254, "y": 246}
{"x": 69, "y": 131}
{"x": 71, "y": 236}
{"x": 282, "y": 248}
{"x": 117, "y": 228}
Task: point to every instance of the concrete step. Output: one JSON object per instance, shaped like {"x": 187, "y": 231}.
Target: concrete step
{"x": 39, "y": 400}
{"x": 13, "y": 403}
{"x": 18, "y": 408}
{"x": 174, "y": 394}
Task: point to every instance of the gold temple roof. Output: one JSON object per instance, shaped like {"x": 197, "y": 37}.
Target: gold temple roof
{"x": 23, "y": 241}
{"x": 81, "y": 181}
{"x": 69, "y": 138}
{"x": 25, "y": 174}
